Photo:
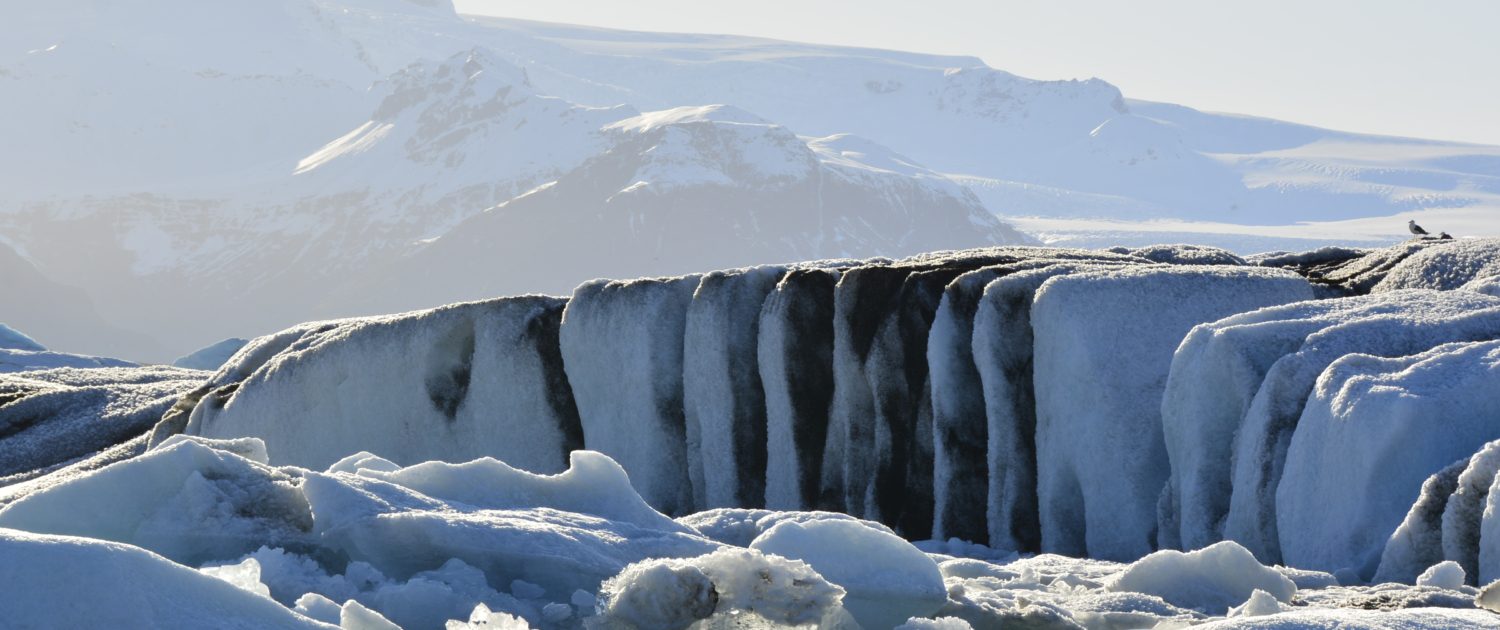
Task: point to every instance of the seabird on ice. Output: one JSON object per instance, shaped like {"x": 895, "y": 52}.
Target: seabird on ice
{"x": 1415, "y": 229}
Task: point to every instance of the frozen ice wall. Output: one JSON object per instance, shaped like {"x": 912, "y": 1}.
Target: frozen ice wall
{"x": 622, "y": 345}
{"x": 1104, "y": 342}
{"x": 454, "y": 383}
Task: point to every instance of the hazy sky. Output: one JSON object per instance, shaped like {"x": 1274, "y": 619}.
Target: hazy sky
{"x": 1427, "y": 68}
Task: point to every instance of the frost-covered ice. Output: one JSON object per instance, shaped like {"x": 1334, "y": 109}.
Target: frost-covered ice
{"x": 622, "y": 347}
{"x": 1215, "y": 375}
{"x": 723, "y": 400}
{"x": 1270, "y": 423}
{"x": 1445, "y": 266}
{"x": 1103, "y": 348}
{"x": 1001, "y": 348}
{"x": 959, "y": 428}
{"x": 742, "y": 587}
{"x": 453, "y": 383}
{"x": 1183, "y": 254}
{"x": 740, "y": 527}
{"x": 794, "y": 352}
{"x": 1373, "y": 430}
{"x": 49, "y": 418}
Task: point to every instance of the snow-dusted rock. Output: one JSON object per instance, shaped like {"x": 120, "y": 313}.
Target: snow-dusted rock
{"x": 795, "y": 356}
{"x": 886, "y": 579}
{"x": 1001, "y": 348}
{"x": 1103, "y": 348}
{"x": 1372, "y": 432}
{"x": 622, "y": 345}
{"x": 49, "y": 418}
{"x": 1272, "y": 418}
{"x": 452, "y": 384}
{"x": 723, "y": 400}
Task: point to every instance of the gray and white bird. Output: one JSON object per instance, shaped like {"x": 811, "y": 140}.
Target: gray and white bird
{"x": 1415, "y": 229}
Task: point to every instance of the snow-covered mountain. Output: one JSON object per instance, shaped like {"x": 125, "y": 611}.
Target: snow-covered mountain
{"x": 203, "y": 172}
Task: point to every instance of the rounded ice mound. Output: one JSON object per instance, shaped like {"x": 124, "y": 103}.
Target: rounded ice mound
{"x": 740, "y": 526}
{"x": 1211, "y": 579}
{"x": 1446, "y": 574}
{"x": 47, "y": 577}
{"x": 668, "y": 593}
{"x": 888, "y": 579}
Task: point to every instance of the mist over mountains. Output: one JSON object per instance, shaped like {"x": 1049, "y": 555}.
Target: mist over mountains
{"x": 191, "y": 173}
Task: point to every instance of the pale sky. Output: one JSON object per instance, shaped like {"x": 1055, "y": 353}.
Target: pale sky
{"x": 1423, "y": 68}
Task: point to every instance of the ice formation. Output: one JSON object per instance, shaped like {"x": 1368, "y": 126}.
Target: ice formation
{"x": 1103, "y": 348}
{"x": 794, "y": 352}
{"x": 622, "y": 347}
{"x": 723, "y": 400}
{"x": 211, "y": 357}
{"x": 453, "y": 383}
{"x": 50, "y": 418}
{"x": 1271, "y": 421}
{"x": 1372, "y": 432}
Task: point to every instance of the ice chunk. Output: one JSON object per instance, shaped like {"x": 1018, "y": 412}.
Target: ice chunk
{"x": 1372, "y": 432}
{"x": 315, "y": 606}
{"x": 1101, "y": 459}
{"x": 402, "y": 532}
{"x": 940, "y": 623}
{"x": 453, "y": 383}
{"x": 1260, "y": 604}
{"x": 740, "y": 527}
{"x": 67, "y": 582}
{"x": 188, "y": 501}
{"x": 1001, "y": 348}
{"x": 245, "y": 574}
{"x": 1429, "y": 319}
{"x": 1446, "y": 574}
{"x": 354, "y": 616}
{"x": 724, "y": 585}
{"x": 723, "y": 401}
{"x": 594, "y": 484}
{"x": 622, "y": 347}
{"x": 887, "y": 579}
{"x": 795, "y": 356}
{"x": 482, "y": 618}
{"x": 1211, "y": 579}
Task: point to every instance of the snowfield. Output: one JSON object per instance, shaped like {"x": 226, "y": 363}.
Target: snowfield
{"x": 1280, "y": 441}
